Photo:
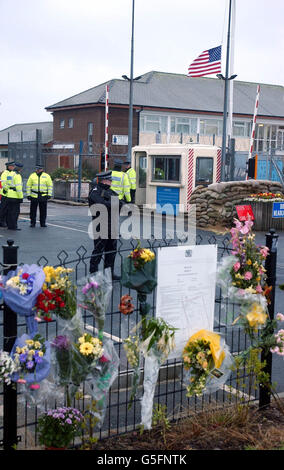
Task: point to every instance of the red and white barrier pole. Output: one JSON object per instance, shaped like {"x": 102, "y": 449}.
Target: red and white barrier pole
{"x": 253, "y": 123}
{"x": 106, "y": 128}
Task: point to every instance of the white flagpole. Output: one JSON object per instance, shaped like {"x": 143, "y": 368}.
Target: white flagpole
{"x": 231, "y": 71}
{"x": 106, "y": 127}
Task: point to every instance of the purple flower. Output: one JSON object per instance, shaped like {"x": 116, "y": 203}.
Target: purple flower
{"x": 68, "y": 421}
{"x": 61, "y": 342}
{"x": 30, "y": 364}
{"x": 23, "y": 357}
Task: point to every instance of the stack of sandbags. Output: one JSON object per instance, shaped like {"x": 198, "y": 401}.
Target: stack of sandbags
{"x": 215, "y": 204}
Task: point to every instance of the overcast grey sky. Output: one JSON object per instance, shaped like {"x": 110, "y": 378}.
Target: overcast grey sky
{"x": 53, "y": 49}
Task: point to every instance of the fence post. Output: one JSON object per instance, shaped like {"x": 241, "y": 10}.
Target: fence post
{"x": 270, "y": 266}
{"x": 10, "y": 261}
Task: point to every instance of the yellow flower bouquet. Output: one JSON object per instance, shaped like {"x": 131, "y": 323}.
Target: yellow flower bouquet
{"x": 86, "y": 353}
{"x": 207, "y": 360}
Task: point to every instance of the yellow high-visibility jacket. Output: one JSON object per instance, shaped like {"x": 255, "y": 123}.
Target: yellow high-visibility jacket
{"x": 15, "y": 186}
{"x": 39, "y": 185}
{"x": 120, "y": 184}
{"x": 131, "y": 173}
{"x": 6, "y": 181}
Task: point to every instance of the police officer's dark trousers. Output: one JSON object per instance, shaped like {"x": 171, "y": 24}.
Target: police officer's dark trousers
{"x": 106, "y": 247}
{"x": 40, "y": 202}
{"x": 3, "y": 211}
{"x": 13, "y": 212}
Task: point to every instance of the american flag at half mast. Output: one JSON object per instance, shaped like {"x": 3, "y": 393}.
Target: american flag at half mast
{"x": 207, "y": 62}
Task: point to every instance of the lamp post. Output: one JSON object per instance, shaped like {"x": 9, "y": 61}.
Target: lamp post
{"x": 131, "y": 80}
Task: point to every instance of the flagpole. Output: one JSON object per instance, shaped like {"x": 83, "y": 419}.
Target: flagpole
{"x": 226, "y": 80}
{"x": 231, "y": 71}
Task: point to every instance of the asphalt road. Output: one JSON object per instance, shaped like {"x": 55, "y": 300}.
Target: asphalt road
{"x": 66, "y": 237}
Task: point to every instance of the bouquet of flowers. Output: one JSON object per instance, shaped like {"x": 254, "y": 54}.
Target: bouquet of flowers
{"x": 138, "y": 270}
{"x": 7, "y": 367}
{"x": 204, "y": 358}
{"x": 156, "y": 344}
{"x": 58, "y": 296}
{"x": 94, "y": 292}
{"x": 20, "y": 289}
{"x": 62, "y": 359}
{"x": 242, "y": 277}
{"x": 86, "y": 353}
{"x": 32, "y": 358}
{"x": 58, "y": 427}
{"x": 157, "y": 334}
{"x": 133, "y": 355}
{"x": 139, "y": 273}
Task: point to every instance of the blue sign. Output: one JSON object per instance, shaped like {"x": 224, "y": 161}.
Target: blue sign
{"x": 167, "y": 200}
{"x": 278, "y": 210}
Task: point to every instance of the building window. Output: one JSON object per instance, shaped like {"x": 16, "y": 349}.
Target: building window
{"x": 204, "y": 170}
{"x": 62, "y": 123}
{"x": 211, "y": 127}
{"x": 154, "y": 123}
{"x": 90, "y": 136}
{"x": 142, "y": 172}
{"x": 70, "y": 123}
{"x": 183, "y": 125}
{"x": 241, "y": 129}
{"x": 166, "y": 168}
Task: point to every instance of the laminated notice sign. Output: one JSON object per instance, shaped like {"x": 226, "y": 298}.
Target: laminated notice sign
{"x": 186, "y": 290}
{"x": 245, "y": 213}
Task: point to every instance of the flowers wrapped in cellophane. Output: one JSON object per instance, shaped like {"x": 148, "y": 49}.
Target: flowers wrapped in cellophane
{"x": 31, "y": 355}
{"x": 154, "y": 341}
{"x": 58, "y": 296}
{"x": 139, "y": 273}
{"x": 207, "y": 363}
{"x": 7, "y": 367}
{"x": 242, "y": 277}
{"x": 94, "y": 293}
{"x": 243, "y": 273}
{"x": 20, "y": 289}
{"x": 61, "y": 359}
{"x": 157, "y": 343}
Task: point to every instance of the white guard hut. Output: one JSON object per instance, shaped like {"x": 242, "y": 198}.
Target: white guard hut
{"x": 168, "y": 173}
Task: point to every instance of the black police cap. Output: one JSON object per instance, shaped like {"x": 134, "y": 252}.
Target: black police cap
{"x": 105, "y": 175}
{"x": 19, "y": 165}
{"x": 10, "y": 163}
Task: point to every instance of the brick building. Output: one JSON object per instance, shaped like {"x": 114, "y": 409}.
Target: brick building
{"x": 167, "y": 108}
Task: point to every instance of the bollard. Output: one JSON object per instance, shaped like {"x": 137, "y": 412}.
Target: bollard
{"x": 10, "y": 261}
{"x": 270, "y": 266}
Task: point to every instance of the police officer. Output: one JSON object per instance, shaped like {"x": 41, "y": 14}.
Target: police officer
{"x": 39, "y": 190}
{"x": 131, "y": 173}
{"x": 101, "y": 193}
{"x": 6, "y": 179}
{"x": 120, "y": 182}
{"x": 14, "y": 197}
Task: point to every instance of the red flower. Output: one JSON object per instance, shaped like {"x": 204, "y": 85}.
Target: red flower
{"x": 62, "y": 304}
{"x": 46, "y": 318}
{"x": 25, "y": 276}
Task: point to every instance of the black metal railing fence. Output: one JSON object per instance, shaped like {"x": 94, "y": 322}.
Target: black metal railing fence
{"x": 18, "y": 420}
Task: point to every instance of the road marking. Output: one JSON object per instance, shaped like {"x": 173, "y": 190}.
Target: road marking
{"x": 107, "y": 335}
{"x": 62, "y": 226}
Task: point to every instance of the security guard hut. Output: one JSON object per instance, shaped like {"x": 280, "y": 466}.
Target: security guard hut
{"x": 168, "y": 173}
